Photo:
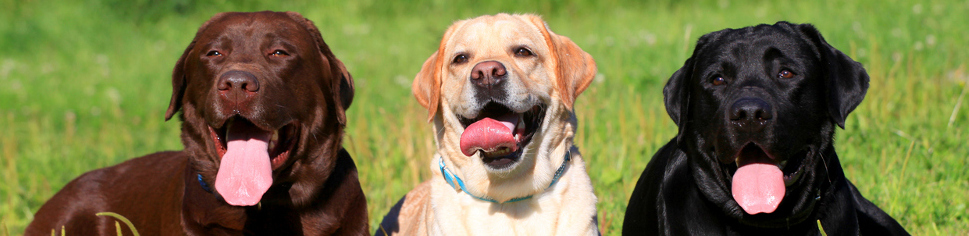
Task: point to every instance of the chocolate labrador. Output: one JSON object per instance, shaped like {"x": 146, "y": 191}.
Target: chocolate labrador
{"x": 757, "y": 108}
{"x": 262, "y": 100}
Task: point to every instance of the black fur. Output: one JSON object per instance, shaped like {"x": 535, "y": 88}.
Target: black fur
{"x": 686, "y": 187}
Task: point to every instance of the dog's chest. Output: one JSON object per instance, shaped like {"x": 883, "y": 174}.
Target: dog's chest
{"x": 519, "y": 218}
{"x": 552, "y": 213}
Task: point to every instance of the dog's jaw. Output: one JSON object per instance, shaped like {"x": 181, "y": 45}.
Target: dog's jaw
{"x": 540, "y": 157}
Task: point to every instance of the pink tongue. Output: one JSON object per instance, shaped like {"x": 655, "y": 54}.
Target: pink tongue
{"x": 245, "y": 172}
{"x": 489, "y": 135}
{"x": 758, "y": 187}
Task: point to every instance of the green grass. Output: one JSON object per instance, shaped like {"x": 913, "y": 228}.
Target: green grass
{"x": 84, "y": 84}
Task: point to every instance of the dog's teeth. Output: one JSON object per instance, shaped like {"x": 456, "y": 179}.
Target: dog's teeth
{"x": 273, "y": 141}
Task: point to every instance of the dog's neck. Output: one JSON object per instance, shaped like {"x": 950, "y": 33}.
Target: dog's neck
{"x": 458, "y": 184}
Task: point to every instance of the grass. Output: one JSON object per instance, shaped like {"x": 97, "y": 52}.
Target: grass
{"x": 84, "y": 84}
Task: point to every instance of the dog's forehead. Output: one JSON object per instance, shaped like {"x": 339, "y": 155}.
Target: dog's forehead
{"x": 754, "y": 43}
{"x": 254, "y": 25}
{"x": 496, "y": 34}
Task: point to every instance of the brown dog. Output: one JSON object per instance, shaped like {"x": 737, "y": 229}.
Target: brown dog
{"x": 500, "y": 91}
{"x": 263, "y": 101}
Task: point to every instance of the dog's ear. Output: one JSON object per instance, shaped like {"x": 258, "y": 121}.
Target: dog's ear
{"x": 342, "y": 87}
{"x": 574, "y": 69}
{"x": 178, "y": 83}
{"x": 676, "y": 95}
{"x": 427, "y": 82}
{"x": 179, "y": 79}
{"x": 845, "y": 80}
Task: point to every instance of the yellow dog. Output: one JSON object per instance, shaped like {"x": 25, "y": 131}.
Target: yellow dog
{"x": 500, "y": 91}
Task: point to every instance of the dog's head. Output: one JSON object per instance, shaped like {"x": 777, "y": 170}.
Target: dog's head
{"x": 500, "y": 90}
{"x": 263, "y": 101}
{"x": 756, "y": 107}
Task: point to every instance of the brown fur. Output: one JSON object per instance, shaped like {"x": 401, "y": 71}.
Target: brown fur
{"x": 315, "y": 190}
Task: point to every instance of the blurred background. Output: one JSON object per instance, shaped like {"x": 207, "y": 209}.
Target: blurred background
{"x": 84, "y": 84}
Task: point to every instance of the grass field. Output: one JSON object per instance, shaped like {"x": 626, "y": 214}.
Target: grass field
{"x": 85, "y": 84}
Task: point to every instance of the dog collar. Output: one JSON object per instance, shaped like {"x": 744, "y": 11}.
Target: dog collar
{"x": 452, "y": 179}
{"x": 203, "y": 183}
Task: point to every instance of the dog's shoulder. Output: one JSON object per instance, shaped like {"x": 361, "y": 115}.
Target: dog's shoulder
{"x": 134, "y": 176}
{"x": 76, "y": 206}
{"x": 345, "y": 198}
{"x": 407, "y": 217}
{"x": 871, "y": 219}
{"x": 663, "y": 187}
{"x": 668, "y": 165}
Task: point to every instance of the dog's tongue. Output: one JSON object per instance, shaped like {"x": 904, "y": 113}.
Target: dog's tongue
{"x": 245, "y": 172}
{"x": 758, "y": 186}
{"x": 489, "y": 135}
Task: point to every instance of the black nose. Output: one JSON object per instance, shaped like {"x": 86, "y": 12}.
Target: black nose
{"x": 238, "y": 80}
{"x": 487, "y": 74}
{"x": 750, "y": 114}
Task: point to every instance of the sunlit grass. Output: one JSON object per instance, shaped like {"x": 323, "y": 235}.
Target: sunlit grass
{"x": 84, "y": 84}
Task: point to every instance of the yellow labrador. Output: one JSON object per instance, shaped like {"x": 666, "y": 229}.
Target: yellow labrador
{"x": 500, "y": 91}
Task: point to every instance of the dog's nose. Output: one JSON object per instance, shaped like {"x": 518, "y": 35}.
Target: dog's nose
{"x": 237, "y": 86}
{"x": 238, "y": 81}
{"x": 487, "y": 74}
{"x": 750, "y": 113}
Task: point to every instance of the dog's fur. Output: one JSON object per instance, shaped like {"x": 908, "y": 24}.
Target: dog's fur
{"x": 549, "y": 77}
{"x": 686, "y": 187}
{"x": 303, "y": 93}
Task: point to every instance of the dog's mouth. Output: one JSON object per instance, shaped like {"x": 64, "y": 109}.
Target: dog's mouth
{"x": 500, "y": 134}
{"x": 760, "y": 181}
{"x": 248, "y": 155}
{"x": 278, "y": 147}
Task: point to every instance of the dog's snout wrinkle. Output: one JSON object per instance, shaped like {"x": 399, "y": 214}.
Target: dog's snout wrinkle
{"x": 488, "y": 74}
{"x": 750, "y": 114}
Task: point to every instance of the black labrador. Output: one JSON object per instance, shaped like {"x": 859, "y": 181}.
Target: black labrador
{"x": 756, "y": 109}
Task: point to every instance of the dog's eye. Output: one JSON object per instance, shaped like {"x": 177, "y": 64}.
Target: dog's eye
{"x": 523, "y": 52}
{"x": 460, "y": 58}
{"x": 279, "y": 53}
{"x": 786, "y": 74}
{"x": 213, "y": 53}
{"x": 718, "y": 80}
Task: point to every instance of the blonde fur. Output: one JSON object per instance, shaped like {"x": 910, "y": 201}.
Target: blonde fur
{"x": 558, "y": 73}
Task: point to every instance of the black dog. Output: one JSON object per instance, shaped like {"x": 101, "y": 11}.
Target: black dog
{"x": 756, "y": 109}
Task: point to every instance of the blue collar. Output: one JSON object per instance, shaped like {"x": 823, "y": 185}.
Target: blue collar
{"x": 451, "y": 179}
{"x": 203, "y": 183}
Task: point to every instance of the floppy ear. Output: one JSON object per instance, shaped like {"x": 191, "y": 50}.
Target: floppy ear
{"x": 342, "y": 86}
{"x": 179, "y": 80}
{"x": 178, "y": 83}
{"x": 427, "y": 82}
{"x": 574, "y": 68}
{"x": 846, "y": 81}
{"x": 676, "y": 94}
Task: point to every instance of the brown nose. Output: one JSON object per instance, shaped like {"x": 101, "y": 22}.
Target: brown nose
{"x": 236, "y": 85}
{"x": 487, "y": 74}
{"x": 238, "y": 80}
